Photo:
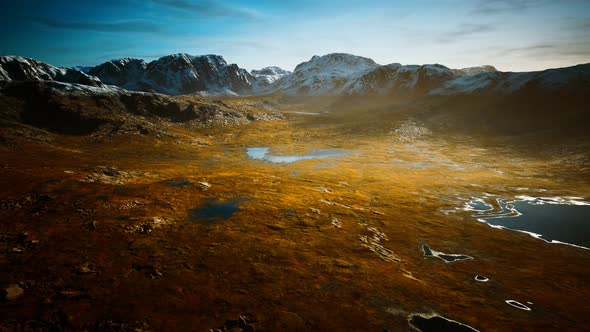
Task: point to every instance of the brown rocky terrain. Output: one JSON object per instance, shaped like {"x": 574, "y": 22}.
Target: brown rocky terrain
{"x": 143, "y": 212}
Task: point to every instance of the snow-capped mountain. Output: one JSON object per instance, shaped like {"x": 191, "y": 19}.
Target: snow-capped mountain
{"x": 575, "y": 78}
{"x": 474, "y": 70}
{"x": 339, "y": 73}
{"x": 16, "y": 68}
{"x": 345, "y": 74}
{"x": 397, "y": 79}
{"x": 332, "y": 74}
{"x": 325, "y": 75}
{"x": 177, "y": 74}
{"x": 268, "y": 75}
{"x": 124, "y": 72}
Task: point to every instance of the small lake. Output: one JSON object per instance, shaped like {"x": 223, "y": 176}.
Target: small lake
{"x": 213, "y": 211}
{"x": 181, "y": 183}
{"x": 553, "y": 219}
{"x": 438, "y": 324}
{"x": 448, "y": 258}
{"x": 262, "y": 153}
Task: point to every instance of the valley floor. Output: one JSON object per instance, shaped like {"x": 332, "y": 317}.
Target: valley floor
{"x": 112, "y": 235}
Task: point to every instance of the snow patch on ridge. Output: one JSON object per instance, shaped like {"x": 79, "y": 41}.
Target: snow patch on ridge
{"x": 325, "y": 75}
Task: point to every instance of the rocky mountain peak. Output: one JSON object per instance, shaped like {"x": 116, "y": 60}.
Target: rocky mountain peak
{"x": 474, "y": 70}
{"x": 16, "y": 68}
{"x": 176, "y": 74}
{"x": 341, "y": 62}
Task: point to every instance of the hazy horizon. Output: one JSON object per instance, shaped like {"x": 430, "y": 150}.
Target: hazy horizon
{"x": 522, "y": 35}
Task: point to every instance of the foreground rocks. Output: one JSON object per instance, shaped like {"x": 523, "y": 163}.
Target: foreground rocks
{"x": 11, "y": 292}
{"x": 110, "y": 175}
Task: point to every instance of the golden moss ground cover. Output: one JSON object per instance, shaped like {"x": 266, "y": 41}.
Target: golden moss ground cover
{"x": 129, "y": 251}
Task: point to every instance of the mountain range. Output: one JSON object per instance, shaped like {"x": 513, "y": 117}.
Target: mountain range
{"x": 331, "y": 74}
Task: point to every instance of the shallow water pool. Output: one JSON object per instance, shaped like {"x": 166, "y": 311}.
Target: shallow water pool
{"x": 262, "y": 153}
{"x": 551, "y": 219}
{"x": 213, "y": 211}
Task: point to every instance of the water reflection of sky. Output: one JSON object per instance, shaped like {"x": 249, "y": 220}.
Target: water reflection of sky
{"x": 262, "y": 153}
{"x": 554, "y": 219}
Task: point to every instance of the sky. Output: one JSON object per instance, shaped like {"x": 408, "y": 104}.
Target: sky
{"x": 512, "y": 35}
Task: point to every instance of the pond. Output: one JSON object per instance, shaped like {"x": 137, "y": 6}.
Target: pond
{"x": 262, "y": 153}
{"x": 553, "y": 219}
{"x": 437, "y": 324}
{"x": 212, "y": 211}
{"x": 447, "y": 258}
{"x": 181, "y": 183}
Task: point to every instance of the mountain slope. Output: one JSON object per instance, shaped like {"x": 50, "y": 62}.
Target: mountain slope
{"x": 332, "y": 74}
{"x": 397, "y": 79}
{"x": 121, "y": 72}
{"x": 16, "y": 68}
{"x": 340, "y": 73}
{"x": 569, "y": 79}
{"x": 268, "y": 75}
{"x": 325, "y": 75}
{"x": 345, "y": 74}
{"x": 474, "y": 70}
{"x": 177, "y": 74}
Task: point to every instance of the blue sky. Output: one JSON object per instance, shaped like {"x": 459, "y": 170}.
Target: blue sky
{"x": 516, "y": 35}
